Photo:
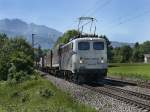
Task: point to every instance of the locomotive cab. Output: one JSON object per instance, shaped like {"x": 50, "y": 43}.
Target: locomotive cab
{"x": 90, "y": 58}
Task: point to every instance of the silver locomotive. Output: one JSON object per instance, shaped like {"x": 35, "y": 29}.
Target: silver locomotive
{"x": 83, "y": 59}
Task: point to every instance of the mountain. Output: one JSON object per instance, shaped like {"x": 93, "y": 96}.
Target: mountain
{"x": 120, "y": 44}
{"x": 45, "y": 36}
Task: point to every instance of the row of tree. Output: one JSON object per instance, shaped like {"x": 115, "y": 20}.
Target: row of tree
{"x": 126, "y": 54}
{"x": 16, "y": 58}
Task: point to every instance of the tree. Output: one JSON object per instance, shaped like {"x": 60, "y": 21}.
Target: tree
{"x": 137, "y": 55}
{"x": 109, "y": 48}
{"x": 3, "y": 39}
{"x": 21, "y": 59}
{"x": 16, "y": 57}
{"x": 4, "y": 56}
{"x": 66, "y": 37}
{"x": 126, "y": 53}
{"x": 20, "y": 44}
{"x": 38, "y": 54}
{"x": 21, "y": 66}
{"x": 146, "y": 47}
{"x": 116, "y": 55}
{"x": 137, "y": 45}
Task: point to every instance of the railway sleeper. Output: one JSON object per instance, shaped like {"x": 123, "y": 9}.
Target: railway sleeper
{"x": 121, "y": 98}
{"x": 140, "y": 95}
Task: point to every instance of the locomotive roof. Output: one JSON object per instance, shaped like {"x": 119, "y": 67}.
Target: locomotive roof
{"x": 89, "y": 38}
{"x": 84, "y": 38}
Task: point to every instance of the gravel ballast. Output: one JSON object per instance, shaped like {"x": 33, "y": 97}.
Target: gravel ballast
{"x": 102, "y": 103}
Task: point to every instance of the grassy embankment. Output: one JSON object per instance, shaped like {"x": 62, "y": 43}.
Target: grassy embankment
{"x": 138, "y": 71}
{"x": 37, "y": 96}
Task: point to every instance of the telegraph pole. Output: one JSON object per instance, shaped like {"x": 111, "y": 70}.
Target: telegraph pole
{"x": 33, "y": 41}
{"x": 33, "y": 46}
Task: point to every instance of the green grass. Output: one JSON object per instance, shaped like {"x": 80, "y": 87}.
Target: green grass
{"x": 139, "y": 71}
{"x": 37, "y": 96}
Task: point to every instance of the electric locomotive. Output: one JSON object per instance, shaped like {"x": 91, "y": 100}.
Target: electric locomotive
{"x": 83, "y": 59}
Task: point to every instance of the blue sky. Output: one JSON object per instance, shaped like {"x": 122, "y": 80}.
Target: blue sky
{"x": 119, "y": 20}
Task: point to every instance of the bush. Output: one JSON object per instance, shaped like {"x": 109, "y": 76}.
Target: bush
{"x": 45, "y": 92}
{"x": 15, "y": 94}
{"x": 25, "y": 98}
{"x": 16, "y": 60}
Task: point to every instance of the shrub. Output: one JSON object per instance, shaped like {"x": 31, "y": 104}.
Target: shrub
{"x": 24, "y": 98}
{"x": 15, "y": 94}
{"x": 45, "y": 92}
{"x": 16, "y": 60}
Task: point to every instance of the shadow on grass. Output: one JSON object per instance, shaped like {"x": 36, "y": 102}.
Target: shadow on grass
{"x": 113, "y": 66}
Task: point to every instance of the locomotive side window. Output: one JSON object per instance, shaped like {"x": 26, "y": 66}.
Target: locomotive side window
{"x": 83, "y": 45}
{"x": 71, "y": 45}
{"x": 67, "y": 48}
{"x": 98, "y": 45}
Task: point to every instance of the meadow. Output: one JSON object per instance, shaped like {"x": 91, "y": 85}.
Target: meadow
{"x": 37, "y": 96}
{"x": 138, "y": 70}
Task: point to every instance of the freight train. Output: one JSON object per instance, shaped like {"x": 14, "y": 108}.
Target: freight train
{"x": 83, "y": 59}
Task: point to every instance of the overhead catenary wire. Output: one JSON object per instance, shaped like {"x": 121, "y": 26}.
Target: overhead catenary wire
{"x": 98, "y": 5}
{"x": 94, "y": 9}
{"x": 91, "y": 8}
{"x": 123, "y": 21}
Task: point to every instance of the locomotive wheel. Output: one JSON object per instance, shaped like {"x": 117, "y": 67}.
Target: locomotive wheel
{"x": 70, "y": 76}
{"x": 76, "y": 79}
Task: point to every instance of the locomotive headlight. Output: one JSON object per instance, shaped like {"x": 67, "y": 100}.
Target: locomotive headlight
{"x": 102, "y": 60}
{"x": 81, "y": 60}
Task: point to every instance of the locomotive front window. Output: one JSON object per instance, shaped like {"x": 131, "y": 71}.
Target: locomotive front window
{"x": 98, "y": 45}
{"x": 83, "y": 45}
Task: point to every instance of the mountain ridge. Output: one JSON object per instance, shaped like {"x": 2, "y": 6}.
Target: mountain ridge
{"x": 44, "y": 35}
{"x": 18, "y": 27}
{"x": 115, "y": 44}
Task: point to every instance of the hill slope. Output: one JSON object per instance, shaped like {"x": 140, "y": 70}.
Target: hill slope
{"x": 17, "y": 27}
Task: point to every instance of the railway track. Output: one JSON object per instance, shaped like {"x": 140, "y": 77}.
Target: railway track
{"x": 139, "y": 100}
{"x": 136, "y": 99}
{"x": 116, "y": 83}
{"x": 142, "y": 84}
{"x": 139, "y": 95}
